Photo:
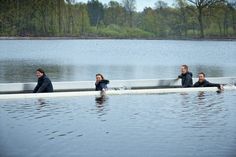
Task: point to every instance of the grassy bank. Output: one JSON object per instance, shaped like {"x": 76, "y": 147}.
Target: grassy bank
{"x": 117, "y": 32}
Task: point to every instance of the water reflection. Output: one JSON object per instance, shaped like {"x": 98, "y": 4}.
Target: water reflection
{"x": 210, "y": 71}
{"x": 203, "y": 110}
{"x": 23, "y": 71}
{"x": 100, "y": 101}
{"x": 201, "y": 97}
{"x": 41, "y": 103}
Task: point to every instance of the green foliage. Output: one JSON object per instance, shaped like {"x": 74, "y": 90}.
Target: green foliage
{"x": 115, "y": 31}
{"x": 115, "y": 20}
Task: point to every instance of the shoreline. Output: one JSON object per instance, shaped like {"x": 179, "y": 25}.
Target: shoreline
{"x": 112, "y": 38}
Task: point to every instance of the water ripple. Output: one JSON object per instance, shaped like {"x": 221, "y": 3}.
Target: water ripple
{"x": 137, "y": 123}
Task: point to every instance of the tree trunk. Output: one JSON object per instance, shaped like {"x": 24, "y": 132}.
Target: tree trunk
{"x": 220, "y": 28}
{"x": 44, "y": 26}
{"x": 59, "y": 16}
{"x": 233, "y": 17}
{"x": 200, "y": 22}
{"x": 97, "y": 22}
{"x": 185, "y": 24}
{"x": 82, "y": 25}
{"x": 18, "y": 17}
{"x": 194, "y": 29}
{"x": 131, "y": 19}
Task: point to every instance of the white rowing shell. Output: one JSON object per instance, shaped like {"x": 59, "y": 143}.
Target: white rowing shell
{"x": 111, "y": 92}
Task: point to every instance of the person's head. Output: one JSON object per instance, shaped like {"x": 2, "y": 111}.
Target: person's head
{"x": 99, "y": 77}
{"x": 184, "y": 69}
{"x": 39, "y": 73}
{"x": 201, "y": 76}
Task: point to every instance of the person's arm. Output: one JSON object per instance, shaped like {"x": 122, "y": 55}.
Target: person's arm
{"x": 44, "y": 85}
{"x": 214, "y": 85}
{"x": 36, "y": 88}
{"x": 180, "y": 76}
{"x": 96, "y": 86}
{"x": 196, "y": 84}
{"x": 103, "y": 86}
{"x": 188, "y": 81}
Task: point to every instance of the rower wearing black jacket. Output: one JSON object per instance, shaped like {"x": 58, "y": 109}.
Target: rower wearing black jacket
{"x": 186, "y": 77}
{"x": 44, "y": 83}
{"x": 101, "y": 83}
{"x": 202, "y": 82}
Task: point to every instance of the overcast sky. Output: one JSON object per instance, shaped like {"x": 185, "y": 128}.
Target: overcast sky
{"x": 140, "y": 3}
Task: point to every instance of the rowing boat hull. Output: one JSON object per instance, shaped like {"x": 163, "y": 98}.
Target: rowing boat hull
{"x": 114, "y": 84}
{"x": 111, "y": 92}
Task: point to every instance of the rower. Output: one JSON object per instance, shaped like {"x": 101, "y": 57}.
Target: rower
{"x": 44, "y": 83}
{"x": 101, "y": 83}
{"x": 202, "y": 82}
{"x": 186, "y": 77}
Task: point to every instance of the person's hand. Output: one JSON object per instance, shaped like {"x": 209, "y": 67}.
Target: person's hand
{"x": 103, "y": 93}
{"x": 176, "y": 79}
{"x": 221, "y": 87}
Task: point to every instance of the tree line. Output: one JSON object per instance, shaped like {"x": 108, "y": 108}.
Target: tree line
{"x": 67, "y": 18}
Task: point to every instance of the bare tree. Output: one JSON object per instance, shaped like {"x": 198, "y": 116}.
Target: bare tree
{"x": 59, "y": 7}
{"x": 182, "y": 6}
{"x": 161, "y": 4}
{"x": 130, "y": 7}
{"x": 200, "y": 5}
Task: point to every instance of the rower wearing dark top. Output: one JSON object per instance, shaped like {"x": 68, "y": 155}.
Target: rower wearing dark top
{"x": 202, "y": 82}
{"x": 101, "y": 83}
{"x": 44, "y": 84}
{"x": 186, "y": 77}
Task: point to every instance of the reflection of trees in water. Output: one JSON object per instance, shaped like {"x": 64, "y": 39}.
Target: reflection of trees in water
{"x": 210, "y": 71}
{"x": 24, "y": 71}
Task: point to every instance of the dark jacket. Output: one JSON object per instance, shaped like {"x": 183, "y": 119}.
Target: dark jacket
{"x": 44, "y": 85}
{"x": 206, "y": 84}
{"x": 187, "y": 80}
{"x": 101, "y": 85}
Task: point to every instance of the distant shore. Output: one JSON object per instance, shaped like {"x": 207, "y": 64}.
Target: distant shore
{"x": 110, "y": 38}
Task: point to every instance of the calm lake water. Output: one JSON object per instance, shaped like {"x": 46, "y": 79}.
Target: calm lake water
{"x": 165, "y": 125}
{"x": 74, "y": 60}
